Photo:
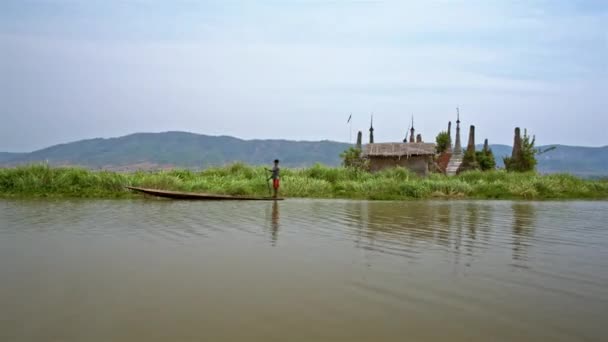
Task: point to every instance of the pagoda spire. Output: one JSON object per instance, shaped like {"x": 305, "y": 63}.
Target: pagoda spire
{"x": 412, "y": 131}
{"x": 371, "y": 130}
{"x": 457, "y": 145}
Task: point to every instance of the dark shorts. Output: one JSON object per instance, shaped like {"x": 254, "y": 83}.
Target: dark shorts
{"x": 276, "y": 183}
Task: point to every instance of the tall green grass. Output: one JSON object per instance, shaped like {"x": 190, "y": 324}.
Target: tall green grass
{"x": 315, "y": 182}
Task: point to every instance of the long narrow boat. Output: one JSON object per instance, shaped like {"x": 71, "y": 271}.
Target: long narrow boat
{"x": 199, "y": 196}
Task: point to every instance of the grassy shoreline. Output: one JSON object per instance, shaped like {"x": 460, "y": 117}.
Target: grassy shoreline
{"x": 314, "y": 182}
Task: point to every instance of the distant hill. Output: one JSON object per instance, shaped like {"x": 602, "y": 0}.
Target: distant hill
{"x": 181, "y": 149}
{"x": 582, "y": 161}
{"x": 6, "y": 156}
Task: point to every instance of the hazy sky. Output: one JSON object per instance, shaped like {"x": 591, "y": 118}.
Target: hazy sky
{"x": 73, "y": 69}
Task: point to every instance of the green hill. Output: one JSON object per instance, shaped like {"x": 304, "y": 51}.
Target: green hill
{"x": 181, "y": 149}
{"x": 6, "y": 156}
{"x": 154, "y": 150}
{"x": 582, "y": 161}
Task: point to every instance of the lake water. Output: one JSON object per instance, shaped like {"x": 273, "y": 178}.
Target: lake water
{"x": 155, "y": 270}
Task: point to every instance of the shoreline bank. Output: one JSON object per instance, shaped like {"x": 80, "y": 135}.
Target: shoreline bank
{"x": 43, "y": 181}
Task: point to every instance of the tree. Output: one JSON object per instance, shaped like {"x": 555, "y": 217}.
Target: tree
{"x": 485, "y": 157}
{"x": 523, "y": 158}
{"x": 443, "y": 141}
{"x": 486, "y": 160}
{"x": 352, "y": 158}
{"x": 469, "y": 161}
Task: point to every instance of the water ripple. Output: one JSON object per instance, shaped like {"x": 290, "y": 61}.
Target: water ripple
{"x": 539, "y": 268}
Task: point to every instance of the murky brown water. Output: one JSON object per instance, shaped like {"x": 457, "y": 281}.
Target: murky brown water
{"x": 303, "y": 270}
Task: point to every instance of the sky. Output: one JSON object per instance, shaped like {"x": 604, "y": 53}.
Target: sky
{"x": 72, "y": 70}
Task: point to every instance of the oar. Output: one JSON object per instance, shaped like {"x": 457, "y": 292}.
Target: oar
{"x": 269, "y": 191}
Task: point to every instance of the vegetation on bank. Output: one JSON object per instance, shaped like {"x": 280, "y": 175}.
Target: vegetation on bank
{"x": 523, "y": 158}
{"x": 314, "y": 182}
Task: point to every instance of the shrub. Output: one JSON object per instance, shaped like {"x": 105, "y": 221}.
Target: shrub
{"x": 443, "y": 141}
{"x": 523, "y": 158}
{"x": 486, "y": 160}
{"x": 469, "y": 161}
{"x": 351, "y": 158}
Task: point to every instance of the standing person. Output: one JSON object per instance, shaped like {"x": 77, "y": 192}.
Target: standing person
{"x": 275, "y": 177}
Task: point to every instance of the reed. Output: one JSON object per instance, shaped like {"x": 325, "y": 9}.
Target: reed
{"x": 314, "y": 182}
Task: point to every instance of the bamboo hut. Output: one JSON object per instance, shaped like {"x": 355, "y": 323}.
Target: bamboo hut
{"x": 417, "y": 157}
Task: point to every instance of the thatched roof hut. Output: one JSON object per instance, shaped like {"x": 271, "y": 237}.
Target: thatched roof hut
{"x": 417, "y": 157}
{"x": 399, "y": 150}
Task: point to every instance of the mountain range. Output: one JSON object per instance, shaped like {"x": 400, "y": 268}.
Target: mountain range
{"x": 179, "y": 149}
{"x": 189, "y": 150}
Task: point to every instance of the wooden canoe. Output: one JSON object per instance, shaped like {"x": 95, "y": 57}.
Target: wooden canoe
{"x": 198, "y": 196}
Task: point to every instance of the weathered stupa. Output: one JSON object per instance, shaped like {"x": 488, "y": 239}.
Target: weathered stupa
{"x": 486, "y": 146}
{"x": 471, "y": 144}
{"x": 449, "y": 149}
{"x": 359, "y": 139}
{"x": 515, "y": 155}
{"x": 469, "y": 160}
{"x": 456, "y": 158}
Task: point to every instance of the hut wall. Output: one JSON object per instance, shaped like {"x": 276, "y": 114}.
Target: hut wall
{"x": 417, "y": 164}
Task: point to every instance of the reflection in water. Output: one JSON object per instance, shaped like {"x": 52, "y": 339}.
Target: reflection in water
{"x": 479, "y": 220}
{"x": 274, "y": 226}
{"x": 351, "y": 270}
{"x": 523, "y": 229}
{"x": 463, "y": 228}
{"x": 444, "y": 221}
{"x": 272, "y": 219}
{"x": 408, "y": 224}
{"x": 473, "y": 214}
